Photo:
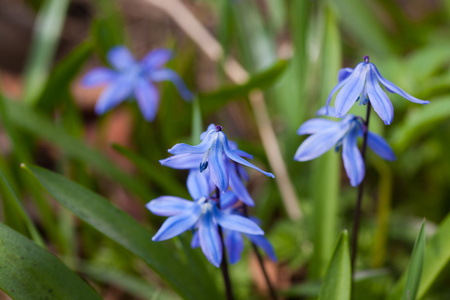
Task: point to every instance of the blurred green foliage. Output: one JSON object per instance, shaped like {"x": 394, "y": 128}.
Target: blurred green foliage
{"x": 292, "y": 50}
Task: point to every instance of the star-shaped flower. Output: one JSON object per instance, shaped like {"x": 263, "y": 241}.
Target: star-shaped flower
{"x": 215, "y": 152}
{"x": 326, "y": 134}
{"x": 133, "y": 78}
{"x": 202, "y": 214}
{"x": 363, "y": 83}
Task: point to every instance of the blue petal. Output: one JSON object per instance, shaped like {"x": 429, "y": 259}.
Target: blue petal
{"x": 199, "y": 149}
{"x": 380, "y": 146}
{"x": 98, "y": 76}
{"x": 169, "y": 206}
{"x": 395, "y": 89}
{"x": 263, "y": 243}
{"x": 233, "y": 156}
{"x": 236, "y": 222}
{"x": 167, "y": 74}
{"x": 334, "y": 90}
{"x": 228, "y": 199}
{"x": 239, "y": 188}
{"x": 350, "y": 92}
{"x": 182, "y": 161}
{"x": 353, "y": 161}
{"x": 210, "y": 239}
{"x": 156, "y": 59}
{"x": 195, "y": 242}
{"x": 217, "y": 168}
{"x": 242, "y": 173}
{"x": 178, "y": 224}
{"x": 319, "y": 143}
{"x": 115, "y": 93}
{"x": 315, "y": 125}
{"x": 344, "y": 74}
{"x": 211, "y": 128}
{"x": 147, "y": 98}
{"x": 326, "y": 111}
{"x": 378, "y": 98}
{"x": 197, "y": 184}
{"x": 120, "y": 58}
{"x": 234, "y": 243}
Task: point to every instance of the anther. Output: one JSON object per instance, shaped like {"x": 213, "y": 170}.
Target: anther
{"x": 219, "y": 128}
{"x": 366, "y": 59}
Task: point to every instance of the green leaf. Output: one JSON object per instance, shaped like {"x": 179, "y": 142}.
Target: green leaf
{"x": 63, "y": 74}
{"x": 48, "y": 26}
{"x": 189, "y": 281}
{"x": 438, "y": 256}
{"x": 362, "y": 23}
{"x": 19, "y": 209}
{"x": 197, "y": 123}
{"x": 25, "y": 118}
{"x": 152, "y": 172}
{"x": 415, "y": 267}
{"x": 338, "y": 277}
{"x": 419, "y": 122}
{"x": 214, "y": 100}
{"x": 108, "y": 27}
{"x": 29, "y": 272}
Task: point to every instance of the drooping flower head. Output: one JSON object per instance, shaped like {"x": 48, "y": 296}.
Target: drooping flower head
{"x": 202, "y": 214}
{"x": 131, "y": 77}
{"x": 215, "y": 152}
{"x": 236, "y": 173}
{"x": 363, "y": 83}
{"x": 327, "y": 134}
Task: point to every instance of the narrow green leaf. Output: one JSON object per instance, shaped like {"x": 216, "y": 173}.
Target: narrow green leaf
{"x": 130, "y": 283}
{"x": 25, "y": 118}
{"x": 361, "y": 22}
{"x": 29, "y": 272}
{"x": 108, "y": 27}
{"x": 326, "y": 168}
{"x": 49, "y": 23}
{"x": 415, "y": 266}
{"x": 63, "y": 74}
{"x": 338, "y": 277}
{"x": 419, "y": 122}
{"x": 121, "y": 228}
{"x": 197, "y": 123}
{"x": 152, "y": 172}
{"x": 214, "y": 100}
{"x": 18, "y": 207}
{"x": 438, "y": 256}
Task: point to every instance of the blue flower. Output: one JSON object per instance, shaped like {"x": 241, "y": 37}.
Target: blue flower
{"x": 234, "y": 240}
{"x": 202, "y": 214}
{"x": 215, "y": 152}
{"x": 133, "y": 78}
{"x": 326, "y": 134}
{"x": 363, "y": 83}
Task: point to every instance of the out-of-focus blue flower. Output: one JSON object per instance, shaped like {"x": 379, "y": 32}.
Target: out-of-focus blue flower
{"x": 234, "y": 241}
{"x": 202, "y": 214}
{"x": 215, "y": 152}
{"x": 134, "y": 78}
{"x": 363, "y": 83}
{"x": 326, "y": 134}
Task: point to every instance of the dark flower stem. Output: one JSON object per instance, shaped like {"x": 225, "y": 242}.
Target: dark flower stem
{"x": 357, "y": 215}
{"x": 224, "y": 263}
{"x": 273, "y": 295}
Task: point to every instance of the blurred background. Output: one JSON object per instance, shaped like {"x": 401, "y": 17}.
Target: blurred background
{"x": 292, "y": 50}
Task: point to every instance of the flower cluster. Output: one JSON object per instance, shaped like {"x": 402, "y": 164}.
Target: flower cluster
{"x": 130, "y": 77}
{"x": 363, "y": 84}
{"x": 215, "y": 185}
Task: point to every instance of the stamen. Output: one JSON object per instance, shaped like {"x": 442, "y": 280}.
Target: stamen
{"x": 203, "y": 166}
{"x": 366, "y": 59}
{"x": 219, "y": 128}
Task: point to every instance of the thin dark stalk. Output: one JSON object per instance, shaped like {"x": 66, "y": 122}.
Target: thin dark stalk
{"x": 357, "y": 215}
{"x": 224, "y": 263}
{"x": 273, "y": 295}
